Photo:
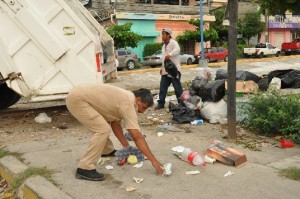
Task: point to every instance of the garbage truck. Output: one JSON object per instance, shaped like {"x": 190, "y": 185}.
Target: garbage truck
{"x": 48, "y": 47}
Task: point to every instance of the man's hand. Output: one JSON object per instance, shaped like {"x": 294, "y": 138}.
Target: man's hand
{"x": 160, "y": 72}
{"x": 167, "y": 57}
{"x": 159, "y": 167}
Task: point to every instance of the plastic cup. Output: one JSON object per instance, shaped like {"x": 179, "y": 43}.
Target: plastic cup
{"x": 286, "y": 144}
{"x": 195, "y": 158}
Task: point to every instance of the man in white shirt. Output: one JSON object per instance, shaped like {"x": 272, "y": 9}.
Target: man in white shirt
{"x": 170, "y": 51}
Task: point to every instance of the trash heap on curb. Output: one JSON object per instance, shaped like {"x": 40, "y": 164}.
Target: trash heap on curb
{"x": 204, "y": 98}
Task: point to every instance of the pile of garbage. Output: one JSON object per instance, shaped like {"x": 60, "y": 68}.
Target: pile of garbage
{"x": 204, "y": 98}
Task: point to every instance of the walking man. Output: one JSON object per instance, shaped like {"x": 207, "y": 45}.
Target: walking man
{"x": 100, "y": 108}
{"x": 170, "y": 51}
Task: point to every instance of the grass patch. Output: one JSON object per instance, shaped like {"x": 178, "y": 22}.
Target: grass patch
{"x": 292, "y": 173}
{"x": 4, "y": 152}
{"x": 32, "y": 171}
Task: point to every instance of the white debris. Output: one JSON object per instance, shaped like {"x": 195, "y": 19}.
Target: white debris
{"x": 229, "y": 173}
{"x": 109, "y": 167}
{"x": 178, "y": 149}
{"x": 159, "y": 134}
{"x": 209, "y": 160}
{"x": 139, "y": 165}
{"x": 167, "y": 169}
{"x": 129, "y": 189}
{"x": 192, "y": 172}
{"x": 42, "y": 118}
{"x": 138, "y": 180}
{"x": 150, "y": 117}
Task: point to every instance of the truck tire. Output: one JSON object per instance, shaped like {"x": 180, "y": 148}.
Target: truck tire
{"x": 261, "y": 55}
{"x": 226, "y": 59}
{"x": 277, "y": 54}
{"x": 189, "y": 61}
{"x": 130, "y": 65}
{"x": 8, "y": 97}
{"x": 287, "y": 53}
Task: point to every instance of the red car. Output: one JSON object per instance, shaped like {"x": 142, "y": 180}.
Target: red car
{"x": 213, "y": 54}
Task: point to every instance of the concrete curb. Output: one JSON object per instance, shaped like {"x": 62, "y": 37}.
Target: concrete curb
{"x": 34, "y": 187}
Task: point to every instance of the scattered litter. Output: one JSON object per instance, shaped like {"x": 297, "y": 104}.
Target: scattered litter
{"x": 42, "y": 118}
{"x": 150, "y": 117}
{"x": 132, "y": 159}
{"x": 275, "y": 84}
{"x": 167, "y": 169}
{"x": 209, "y": 159}
{"x": 124, "y": 153}
{"x": 227, "y": 155}
{"x": 229, "y": 173}
{"x": 178, "y": 149}
{"x": 138, "y": 180}
{"x": 155, "y": 119}
{"x": 215, "y": 112}
{"x": 129, "y": 189}
{"x": 159, "y": 134}
{"x": 161, "y": 121}
{"x": 168, "y": 127}
{"x": 192, "y": 172}
{"x": 109, "y": 167}
{"x": 62, "y": 126}
{"x": 139, "y": 165}
{"x": 286, "y": 144}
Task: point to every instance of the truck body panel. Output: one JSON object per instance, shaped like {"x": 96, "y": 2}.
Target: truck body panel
{"x": 50, "y": 46}
{"x": 261, "y": 50}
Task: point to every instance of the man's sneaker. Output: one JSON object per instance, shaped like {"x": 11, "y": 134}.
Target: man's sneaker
{"x": 92, "y": 175}
{"x": 159, "y": 106}
{"x": 111, "y": 154}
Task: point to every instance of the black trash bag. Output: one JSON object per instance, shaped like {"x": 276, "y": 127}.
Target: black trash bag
{"x": 171, "y": 69}
{"x": 198, "y": 83}
{"x": 263, "y": 84}
{"x": 221, "y": 74}
{"x": 289, "y": 79}
{"x": 278, "y": 73}
{"x": 192, "y": 91}
{"x": 246, "y": 76}
{"x": 194, "y": 100}
{"x": 182, "y": 114}
{"x": 240, "y": 75}
{"x": 213, "y": 91}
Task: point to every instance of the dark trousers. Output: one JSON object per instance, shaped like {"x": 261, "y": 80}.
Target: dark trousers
{"x": 165, "y": 82}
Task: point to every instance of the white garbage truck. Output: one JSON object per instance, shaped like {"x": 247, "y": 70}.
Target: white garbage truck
{"x": 49, "y": 46}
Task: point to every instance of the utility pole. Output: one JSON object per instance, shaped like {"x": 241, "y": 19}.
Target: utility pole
{"x": 202, "y": 62}
{"x": 232, "y": 40}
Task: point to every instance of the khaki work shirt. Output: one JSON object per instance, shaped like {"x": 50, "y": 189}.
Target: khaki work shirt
{"x": 113, "y": 103}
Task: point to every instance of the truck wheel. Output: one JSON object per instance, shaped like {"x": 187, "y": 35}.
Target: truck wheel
{"x": 261, "y": 55}
{"x": 226, "y": 59}
{"x": 189, "y": 61}
{"x": 277, "y": 54}
{"x": 130, "y": 65}
{"x": 287, "y": 53}
{"x": 153, "y": 66}
{"x": 8, "y": 97}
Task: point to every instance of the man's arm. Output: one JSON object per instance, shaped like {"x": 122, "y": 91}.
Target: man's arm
{"x": 118, "y": 131}
{"x": 142, "y": 145}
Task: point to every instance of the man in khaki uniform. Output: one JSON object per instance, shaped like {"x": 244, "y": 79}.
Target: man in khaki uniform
{"x": 101, "y": 107}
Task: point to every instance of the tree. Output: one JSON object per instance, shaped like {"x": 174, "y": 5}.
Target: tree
{"x": 279, "y": 7}
{"x": 218, "y": 25}
{"x": 123, "y": 36}
{"x": 251, "y": 25}
{"x": 190, "y": 35}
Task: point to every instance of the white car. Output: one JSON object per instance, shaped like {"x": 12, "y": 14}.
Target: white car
{"x": 156, "y": 59}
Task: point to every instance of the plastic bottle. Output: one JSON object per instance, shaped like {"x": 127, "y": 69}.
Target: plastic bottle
{"x": 192, "y": 156}
{"x": 197, "y": 122}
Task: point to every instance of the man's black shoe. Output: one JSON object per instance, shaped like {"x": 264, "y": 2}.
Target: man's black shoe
{"x": 92, "y": 175}
{"x": 111, "y": 154}
{"x": 159, "y": 106}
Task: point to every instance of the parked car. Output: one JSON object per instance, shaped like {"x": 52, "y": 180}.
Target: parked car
{"x": 156, "y": 59}
{"x": 290, "y": 47}
{"x": 213, "y": 54}
{"x": 261, "y": 50}
{"x": 126, "y": 59}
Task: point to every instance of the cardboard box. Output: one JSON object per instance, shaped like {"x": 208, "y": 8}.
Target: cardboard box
{"x": 227, "y": 155}
{"x": 244, "y": 86}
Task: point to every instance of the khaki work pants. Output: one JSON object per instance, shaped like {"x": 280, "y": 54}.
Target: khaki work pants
{"x": 90, "y": 118}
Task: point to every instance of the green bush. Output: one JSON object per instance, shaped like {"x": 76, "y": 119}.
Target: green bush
{"x": 150, "y": 49}
{"x": 273, "y": 114}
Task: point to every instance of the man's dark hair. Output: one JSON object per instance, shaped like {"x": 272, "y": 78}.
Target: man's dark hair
{"x": 145, "y": 95}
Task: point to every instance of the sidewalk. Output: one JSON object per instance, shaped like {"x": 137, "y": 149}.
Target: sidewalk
{"x": 257, "y": 179}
